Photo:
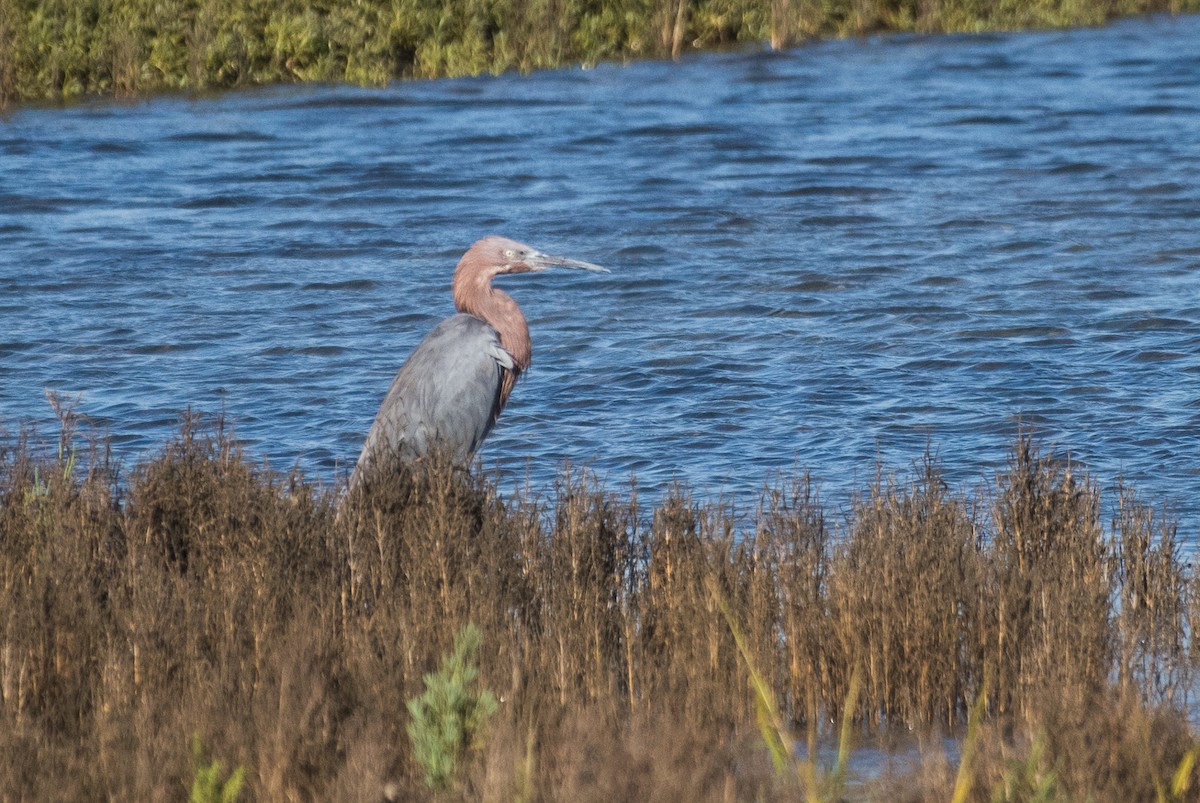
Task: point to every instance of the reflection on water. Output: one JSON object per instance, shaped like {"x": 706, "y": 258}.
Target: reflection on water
{"x": 820, "y": 258}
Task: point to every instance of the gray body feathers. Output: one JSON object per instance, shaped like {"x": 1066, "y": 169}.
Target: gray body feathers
{"x": 445, "y": 396}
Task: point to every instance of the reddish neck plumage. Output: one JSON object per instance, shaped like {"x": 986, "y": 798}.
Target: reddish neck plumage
{"x": 474, "y": 295}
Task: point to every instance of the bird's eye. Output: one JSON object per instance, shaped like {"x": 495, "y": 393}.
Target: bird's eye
{"x": 511, "y": 254}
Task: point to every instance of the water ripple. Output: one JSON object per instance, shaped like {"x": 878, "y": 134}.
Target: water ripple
{"x": 822, "y": 258}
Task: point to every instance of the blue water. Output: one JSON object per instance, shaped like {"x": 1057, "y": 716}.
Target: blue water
{"x": 821, "y": 259}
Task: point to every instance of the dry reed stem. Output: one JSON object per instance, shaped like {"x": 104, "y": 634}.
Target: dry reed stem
{"x": 286, "y": 627}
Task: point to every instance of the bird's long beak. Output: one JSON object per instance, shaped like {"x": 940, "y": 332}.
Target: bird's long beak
{"x": 540, "y": 261}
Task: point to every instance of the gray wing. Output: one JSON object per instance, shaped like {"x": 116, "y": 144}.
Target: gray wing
{"x": 446, "y": 395}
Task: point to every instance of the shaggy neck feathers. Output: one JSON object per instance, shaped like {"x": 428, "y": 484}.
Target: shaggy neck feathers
{"x": 474, "y": 295}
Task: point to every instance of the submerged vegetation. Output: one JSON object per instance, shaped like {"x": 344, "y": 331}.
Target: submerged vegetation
{"x": 681, "y": 651}
{"x": 54, "y": 49}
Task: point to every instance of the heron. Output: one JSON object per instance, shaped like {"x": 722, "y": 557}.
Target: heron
{"x": 448, "y": 394}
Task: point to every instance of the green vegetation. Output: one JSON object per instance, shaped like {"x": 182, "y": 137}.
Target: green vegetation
{"x": 55, "y": 49}
{"x": 664, "y": 652}
{"x": 448, "y": 718}
{"x": 207, "y": 784}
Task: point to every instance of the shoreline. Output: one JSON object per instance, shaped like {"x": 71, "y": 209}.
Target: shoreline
{"x": 133, "y": 49}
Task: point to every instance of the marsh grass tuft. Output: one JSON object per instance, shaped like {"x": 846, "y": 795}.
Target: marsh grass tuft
{"x": 202, "y": 593}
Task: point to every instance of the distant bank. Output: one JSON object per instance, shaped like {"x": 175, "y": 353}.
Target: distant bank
{"x": 65, "y": 49}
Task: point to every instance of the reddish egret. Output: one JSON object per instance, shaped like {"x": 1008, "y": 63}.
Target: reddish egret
{"x": 451, "y": 389}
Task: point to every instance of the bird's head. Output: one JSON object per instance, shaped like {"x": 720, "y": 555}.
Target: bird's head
{"x": 495, "y": 256}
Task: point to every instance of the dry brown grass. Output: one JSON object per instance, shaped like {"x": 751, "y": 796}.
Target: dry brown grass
{"x": 204, "y": 594}
{"x": 906, "y": 602}
{"x": 1107, "y": 746}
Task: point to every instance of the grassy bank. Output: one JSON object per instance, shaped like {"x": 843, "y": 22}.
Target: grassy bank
{"x": 53, "y": 49}
{"x": 201, "y": 610}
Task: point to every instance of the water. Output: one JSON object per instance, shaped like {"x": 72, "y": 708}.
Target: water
{"x": 821, "y": 258}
